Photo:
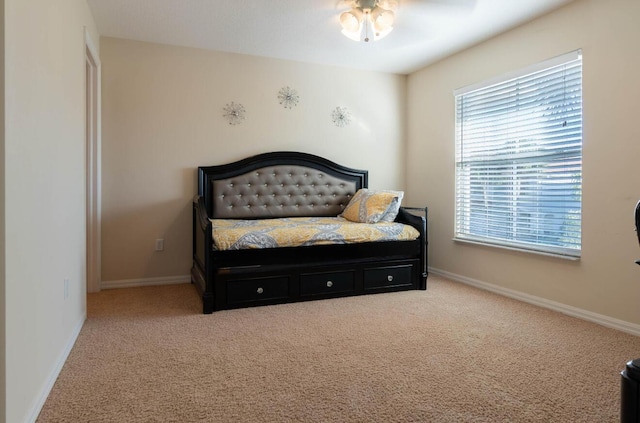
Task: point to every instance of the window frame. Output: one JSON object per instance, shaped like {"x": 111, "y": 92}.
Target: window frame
{"x": 571, "y": 253}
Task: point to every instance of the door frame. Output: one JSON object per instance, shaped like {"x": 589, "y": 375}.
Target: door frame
{"x": 92, "y": 163}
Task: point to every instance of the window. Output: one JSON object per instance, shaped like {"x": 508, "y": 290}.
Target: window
{"x": 519, "y": 159}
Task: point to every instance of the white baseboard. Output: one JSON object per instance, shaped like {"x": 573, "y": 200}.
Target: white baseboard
{"x": 51, "y": 380}
{"x": 610, "y": 322}
{"x": 132, "y": 283}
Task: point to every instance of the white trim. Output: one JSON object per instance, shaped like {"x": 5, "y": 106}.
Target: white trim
{"x": 610, "y": 322}
{"x": 132, "y": 283}
{"x": 93, "y": 170}
{"x": 547, "y": 64}
{"x": 53, "y": 376}
{"x": 550, "y": 252}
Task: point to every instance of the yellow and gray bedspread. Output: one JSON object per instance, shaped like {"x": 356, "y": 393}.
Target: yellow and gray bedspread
{"x": 234, "y": 234}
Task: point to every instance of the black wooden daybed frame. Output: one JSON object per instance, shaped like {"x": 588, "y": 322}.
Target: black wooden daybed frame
{"x": 243, "y": 278}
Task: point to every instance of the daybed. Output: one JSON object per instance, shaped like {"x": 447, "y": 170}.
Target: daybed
{"x": 292, "y": 185}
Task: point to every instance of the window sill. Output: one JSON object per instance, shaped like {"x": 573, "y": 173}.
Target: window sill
{"x": 517, "y": 248}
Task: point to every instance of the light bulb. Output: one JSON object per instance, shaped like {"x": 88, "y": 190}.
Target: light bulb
{"x": 351, "y": 21}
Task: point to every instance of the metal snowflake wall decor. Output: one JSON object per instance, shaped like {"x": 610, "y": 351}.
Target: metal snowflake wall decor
{"x": 341, "y": 116}
{"x": 288, "y": 97}
{"x": 234, "y": 113}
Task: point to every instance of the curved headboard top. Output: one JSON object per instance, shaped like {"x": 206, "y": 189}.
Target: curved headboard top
{"x": 278, "y": 184}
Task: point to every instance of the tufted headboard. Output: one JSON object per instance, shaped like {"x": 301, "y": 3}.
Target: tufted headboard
{"x": 278, "y": 184}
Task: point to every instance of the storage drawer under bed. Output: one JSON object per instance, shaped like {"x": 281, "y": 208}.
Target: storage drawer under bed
{"x": 257, "y": 289}
{"x": 262, "y": 286}
{"x": 327, "y": 282}
{"x": 388, "y": 276}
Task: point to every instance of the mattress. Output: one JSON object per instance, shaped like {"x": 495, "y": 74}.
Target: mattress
{"x": 237, "y": 234}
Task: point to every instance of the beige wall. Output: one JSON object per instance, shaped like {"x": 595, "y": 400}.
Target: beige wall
{"x": 44, "y": 189}
{"x": 162, "y": 118}
{"x": 605, "y": 281}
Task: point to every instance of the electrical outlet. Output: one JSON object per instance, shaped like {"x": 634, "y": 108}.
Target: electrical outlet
{"x": 66, "y": 288}
{"x": 159, "y": 244}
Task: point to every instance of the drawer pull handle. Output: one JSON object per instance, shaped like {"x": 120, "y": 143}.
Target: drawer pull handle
{"x": 390, "y": 278}
{"x": 260, "y": 290}
{"x": 329, "y": 284}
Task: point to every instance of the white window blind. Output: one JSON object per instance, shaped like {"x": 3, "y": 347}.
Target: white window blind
{"x": 519, "y": 159}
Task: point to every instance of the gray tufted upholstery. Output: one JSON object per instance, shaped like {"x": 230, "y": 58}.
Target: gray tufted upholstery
{"x": 280, "y": 191}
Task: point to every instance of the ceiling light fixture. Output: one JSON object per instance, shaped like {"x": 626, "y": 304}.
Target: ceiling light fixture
{"x": 368, "y": 18}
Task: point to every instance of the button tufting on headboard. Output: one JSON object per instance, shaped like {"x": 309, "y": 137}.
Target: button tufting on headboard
{"x": 279, "y": 191}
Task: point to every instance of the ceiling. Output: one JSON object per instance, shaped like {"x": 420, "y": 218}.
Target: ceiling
{"x": 309, "y": 31}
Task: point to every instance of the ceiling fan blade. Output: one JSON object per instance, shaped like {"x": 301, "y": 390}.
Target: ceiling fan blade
{"x": 432, "y": 5}
{"x": 344, "y": 4}
{"x": 425, "y": 19}
{"x": 456, "y": 3}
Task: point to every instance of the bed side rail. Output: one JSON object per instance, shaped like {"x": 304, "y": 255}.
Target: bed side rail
{"x": 202, "y": 244}
{"x": 417, "y": 217}
{"x": 201, "y": 232}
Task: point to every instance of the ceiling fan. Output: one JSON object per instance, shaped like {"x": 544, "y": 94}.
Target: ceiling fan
{"x": 374, "y": 19}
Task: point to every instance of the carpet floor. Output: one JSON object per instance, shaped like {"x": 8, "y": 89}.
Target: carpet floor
{"x": 452, "y": 353}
